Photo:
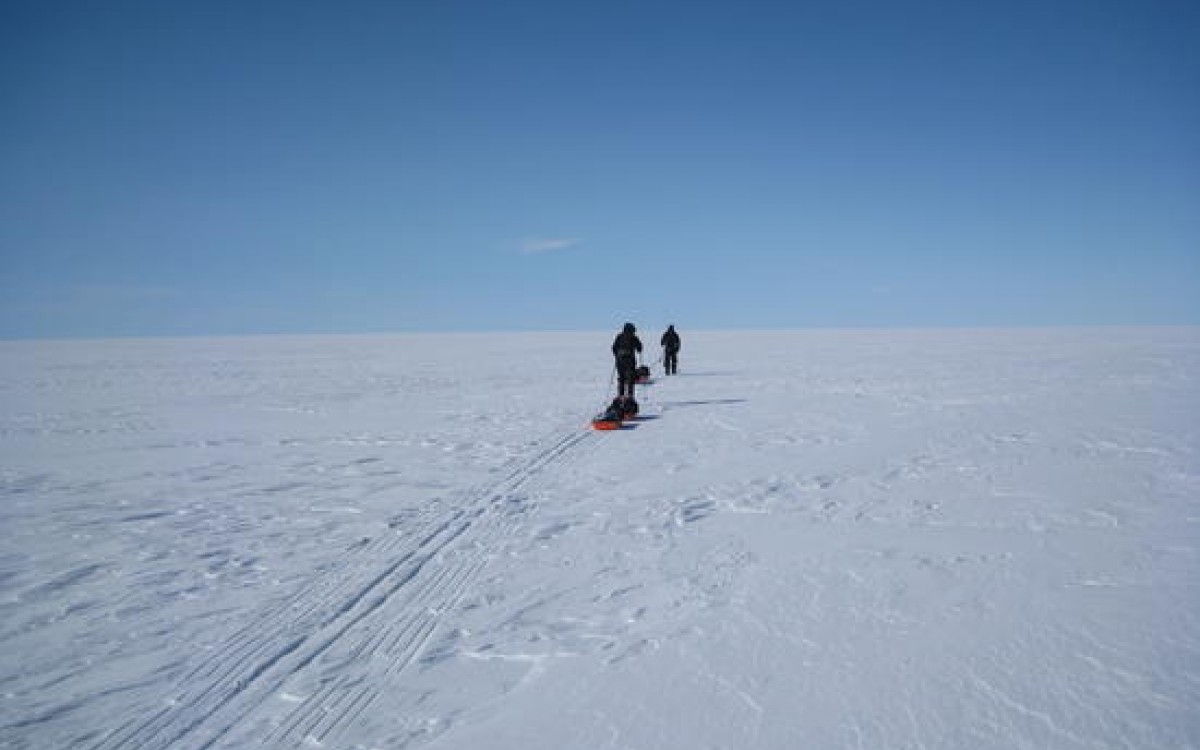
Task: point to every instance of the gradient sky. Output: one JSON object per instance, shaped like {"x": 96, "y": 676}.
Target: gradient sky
{"x": 171, "y": 168}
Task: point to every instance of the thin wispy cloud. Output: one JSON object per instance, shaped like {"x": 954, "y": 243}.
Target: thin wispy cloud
{"x": 542, "y": 245}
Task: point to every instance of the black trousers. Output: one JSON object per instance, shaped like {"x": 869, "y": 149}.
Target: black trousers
{"x": 626, "y": 376}
{"x": 671, "y": 361}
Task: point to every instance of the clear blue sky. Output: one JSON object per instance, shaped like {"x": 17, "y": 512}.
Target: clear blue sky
{"x": 221, "y": 167}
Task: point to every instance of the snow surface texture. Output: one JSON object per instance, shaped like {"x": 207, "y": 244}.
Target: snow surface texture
{"x": 955, "y": 539}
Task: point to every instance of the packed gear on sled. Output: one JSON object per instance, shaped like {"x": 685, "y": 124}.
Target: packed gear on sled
{"x": 612, "y": 416}
{"x": 603, "y": 422}
{"x": 622, "y": 408}
{"x": 642, "y": 375}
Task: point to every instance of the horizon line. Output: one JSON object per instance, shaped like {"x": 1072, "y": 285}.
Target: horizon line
{"x": 66, "y": 338}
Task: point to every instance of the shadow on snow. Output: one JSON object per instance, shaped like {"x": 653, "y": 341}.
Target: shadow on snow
{"x": 710, "y": 402}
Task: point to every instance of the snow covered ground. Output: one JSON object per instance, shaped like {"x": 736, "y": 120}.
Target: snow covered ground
{"x": 843, "y": 539}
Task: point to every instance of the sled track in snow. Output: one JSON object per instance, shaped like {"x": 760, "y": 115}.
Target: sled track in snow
{"x": 344, "y": 638}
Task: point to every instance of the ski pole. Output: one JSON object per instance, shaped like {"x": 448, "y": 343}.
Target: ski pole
{"x": 612, "y": 374}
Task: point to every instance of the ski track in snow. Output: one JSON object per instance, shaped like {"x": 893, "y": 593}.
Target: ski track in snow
{"x": 937, "y": 540}
{"x": 370, "y": 616}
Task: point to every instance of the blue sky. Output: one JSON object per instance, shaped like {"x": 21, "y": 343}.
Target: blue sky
{"x": 259, "y": 167}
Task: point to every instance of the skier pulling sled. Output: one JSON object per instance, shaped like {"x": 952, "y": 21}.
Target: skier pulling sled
{"x": 671, "y": 345}
{"x": 625, "y": 348}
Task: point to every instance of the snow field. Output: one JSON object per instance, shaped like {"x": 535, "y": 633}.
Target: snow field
{"x": 936, "y": 539}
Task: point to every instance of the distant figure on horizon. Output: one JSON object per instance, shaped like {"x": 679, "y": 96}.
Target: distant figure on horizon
{"x": 626, "y": 348}
{"x": 671, "y": 345}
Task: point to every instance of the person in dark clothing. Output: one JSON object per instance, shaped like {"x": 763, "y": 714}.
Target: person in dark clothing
{"x": 626, "y": 348}
{"x": 671, "y": 344}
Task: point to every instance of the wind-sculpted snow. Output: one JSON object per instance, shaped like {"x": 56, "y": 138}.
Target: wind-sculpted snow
{"x": 952, "y": 539}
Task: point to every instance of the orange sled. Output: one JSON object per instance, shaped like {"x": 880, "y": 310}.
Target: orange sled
{"x": 600, "y": 423}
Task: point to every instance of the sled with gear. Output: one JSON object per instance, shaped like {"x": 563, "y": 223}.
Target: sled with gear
{"x": 618, "y": 412}
{"x": 642, "y": 375}
{"x": 605, "y": 422}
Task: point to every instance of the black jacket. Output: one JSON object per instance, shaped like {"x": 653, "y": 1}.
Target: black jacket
{"x": 626, "y": 347}
{"x": 670, "y": 340}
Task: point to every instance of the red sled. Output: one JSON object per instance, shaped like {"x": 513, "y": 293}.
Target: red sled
{"x": 600, "y": 423}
